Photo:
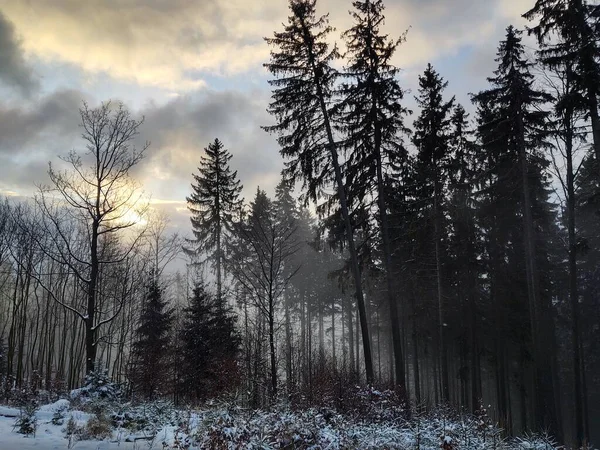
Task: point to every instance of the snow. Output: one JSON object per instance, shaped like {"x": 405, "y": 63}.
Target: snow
{"x": 48, "y": 436}
{"x": 233, "y": 427}
{"x": 51, "y": 437}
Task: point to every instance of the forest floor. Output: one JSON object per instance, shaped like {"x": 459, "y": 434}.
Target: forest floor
{"x": 69, "y": 424}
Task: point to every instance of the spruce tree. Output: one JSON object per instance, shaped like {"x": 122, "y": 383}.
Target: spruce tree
{"x": 567, "y": 32}
{"x": 152, "y": 349}
{"x": 513, "y": 126}
{"x": 432, "y": 140}
{"x": 209, "y": 347}
{"x": 214, "y": 204}
{"x": 585, "y": 307}
{"x": 303, "y": 91}
{"x": 371, "y": 117}
{"x": 465, "y": 251}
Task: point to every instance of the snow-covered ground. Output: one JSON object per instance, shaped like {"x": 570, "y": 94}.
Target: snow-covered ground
{"x": 53, "y": 437}
{"x": 232, "y": 427}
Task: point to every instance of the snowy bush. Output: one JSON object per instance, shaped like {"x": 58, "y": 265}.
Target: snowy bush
{"x": 148, "y": 417}
{"x": 375, "y": 405}
{"x": 98, "y": 386}
{"x": 58, "y": 417}
{"x": 315, "y": 428}
{"x": 229, "y": 426}
{"x": 535, "y": 442}
{"x": 26, "y": 423}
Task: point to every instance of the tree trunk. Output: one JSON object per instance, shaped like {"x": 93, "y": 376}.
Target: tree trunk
{"x": 573, "y": 291}
{"x": 288, "y": 344}
{"x": 344, "y": 209}
{"x": 219, "y": 275}
{"x": 333, "y": 343}
{"x": 272, "y": 347}
{"x": 351, "y": 358}
{"x": 416, "y": 375}
{"x": 90, "y": 331}
{"x": 400, "y": 378}
{"x": 443, "y": 348}
{"x": 593, "y": 102}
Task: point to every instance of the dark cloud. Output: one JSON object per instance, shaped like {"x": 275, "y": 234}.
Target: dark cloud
{"x": 14, "y": 70}
{"x": 32, "y": 135}
{"x": 44, "y": 125}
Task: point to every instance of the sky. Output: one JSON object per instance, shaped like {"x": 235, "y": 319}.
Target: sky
{"x": 193, "y": 70}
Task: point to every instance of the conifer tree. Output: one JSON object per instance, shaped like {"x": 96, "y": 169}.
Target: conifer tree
{"x": 567, "y": 32}
{"x": 513, "y": 123}
{"x": 585, "y": 308}
{"x": 214, "y": 204}
{"x": 465, "y": 250}
{"x": 569, "y": 131}
{"x": 301, "y": 61}
{"x": 209, "y": 347}
{"x": 432, "y": 140}
{"x": 371, "y": 118}
{"x": 152, "y": 349}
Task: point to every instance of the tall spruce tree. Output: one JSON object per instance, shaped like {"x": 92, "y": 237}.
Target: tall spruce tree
{"x": 301, "y": 61}
{"x": 432, "y": 140}
{"x": 585, "y": 307}
{"x": 371, "y": 117}
{"x": 569, "y": 131}
{"x": 513, "y": 127}
{"x": 214, "y": 203}
{"x": 567, "y": 32}
{"x": 464, "y": 253}
{"x": 152, "y": 349}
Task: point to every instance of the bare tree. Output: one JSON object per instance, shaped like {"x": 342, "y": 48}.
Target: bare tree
{"x": 259, "y": 263}
{"x": 163, "y": 248}
{"x": 93, "y": 201}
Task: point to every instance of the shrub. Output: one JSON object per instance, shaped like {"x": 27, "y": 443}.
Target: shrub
{"x": 98, "y": 386}
{"x": 58, "y": 417}
{"x": 98, "y": 427}
{"x": 26, "y": 423}
{"x": 147, "y": 417}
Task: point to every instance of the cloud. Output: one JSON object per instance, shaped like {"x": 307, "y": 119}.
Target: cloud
{"x": 174, "y": 44}
{"x": 44, "y": 124}
{"x": 167, "y": 44}
{"x": 14, "y": 70}
{"x": 179, "y": 130}
{"x": 30, "y": 136}
{"x": 33, "y": 134}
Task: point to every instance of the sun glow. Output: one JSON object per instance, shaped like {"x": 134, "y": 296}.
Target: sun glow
{"x": 132, "y": 210}
{"x": 134, "y": 217}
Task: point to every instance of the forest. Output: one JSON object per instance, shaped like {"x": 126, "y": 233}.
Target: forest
{"x": 447, "y": 256}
